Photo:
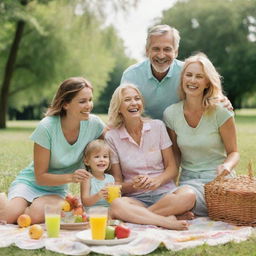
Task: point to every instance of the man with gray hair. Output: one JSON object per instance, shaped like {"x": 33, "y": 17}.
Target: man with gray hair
{"x": 158, "y": 76}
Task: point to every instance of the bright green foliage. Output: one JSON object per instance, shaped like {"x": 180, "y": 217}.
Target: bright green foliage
{"x": 60, "y": 40}
{"x": 115, "y": 45}
{"x": 67, "y": 45}
{"x": 224, "y": 30}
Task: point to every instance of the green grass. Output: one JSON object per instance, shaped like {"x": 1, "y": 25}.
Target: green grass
{"x": 16, "y": 153}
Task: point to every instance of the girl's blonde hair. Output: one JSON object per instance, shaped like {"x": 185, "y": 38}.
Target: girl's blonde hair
{"x": 214, "y": 90}
{"x": 95, "y": 146}
{"x": 66, "y": 92}
{"x": 115, "y": 119}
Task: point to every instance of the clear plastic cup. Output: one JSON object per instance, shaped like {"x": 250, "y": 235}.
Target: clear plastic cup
{"x": 98, "y": 217}
{"x": 52, "y": 220}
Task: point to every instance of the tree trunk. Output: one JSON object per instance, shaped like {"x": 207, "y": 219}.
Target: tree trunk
{"x": 9, "y": 68}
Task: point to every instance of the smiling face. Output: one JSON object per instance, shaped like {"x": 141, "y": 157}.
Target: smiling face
{"x": 131, "y": 104}
{"x": 194, "y": 80}
{"x": 81, "y": 105}
{"x": 98, "y": 161}
{"x": 161, "y": 52}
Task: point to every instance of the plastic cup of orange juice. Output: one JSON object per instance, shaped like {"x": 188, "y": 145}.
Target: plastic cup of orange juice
{"x": 114, "y": 191}
{"x": 98, "y": 217}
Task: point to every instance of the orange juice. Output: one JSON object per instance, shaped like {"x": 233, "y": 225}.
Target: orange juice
{"x": 98, "y": 225}
{"x": 114, "y": 192}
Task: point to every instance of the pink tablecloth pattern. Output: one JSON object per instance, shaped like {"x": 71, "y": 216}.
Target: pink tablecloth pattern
{"x": 148, "y": 238}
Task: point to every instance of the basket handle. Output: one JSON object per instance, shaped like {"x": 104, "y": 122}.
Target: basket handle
{"x": 250, "y": 171}
{"x": 220, "y": 177}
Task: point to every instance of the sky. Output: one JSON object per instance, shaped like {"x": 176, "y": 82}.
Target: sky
{"x": 132, "y": 27}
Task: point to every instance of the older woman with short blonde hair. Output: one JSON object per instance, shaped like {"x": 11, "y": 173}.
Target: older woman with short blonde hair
{"x": 143, "y": 163}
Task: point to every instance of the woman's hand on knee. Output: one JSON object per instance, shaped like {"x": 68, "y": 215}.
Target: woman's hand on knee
{"x": 144, "y": 182}
{"x": 154, "y": 184}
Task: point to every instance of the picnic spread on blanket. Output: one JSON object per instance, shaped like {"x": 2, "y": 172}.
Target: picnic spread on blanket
{"x": 69, "y": 231}
{"x": 144, "y": 239}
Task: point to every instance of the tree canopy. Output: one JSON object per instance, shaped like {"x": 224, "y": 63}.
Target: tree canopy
{"x": 44, "y": 42}
{"x": 121, "y": 63}
{"x": 225, "y": 30}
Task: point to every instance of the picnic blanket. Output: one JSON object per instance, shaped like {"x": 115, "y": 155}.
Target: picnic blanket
{"x": 147, "y": 239}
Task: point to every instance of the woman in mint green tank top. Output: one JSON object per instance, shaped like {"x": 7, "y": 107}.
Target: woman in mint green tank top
{"x": 203, "y": 132}
{"x": 59, "y": 142}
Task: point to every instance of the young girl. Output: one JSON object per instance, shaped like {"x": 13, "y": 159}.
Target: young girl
{"x": 59, "y": 142}
{"x": 97, "y": 161}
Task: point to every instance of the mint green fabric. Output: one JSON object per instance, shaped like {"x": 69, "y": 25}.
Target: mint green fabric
{"x": 157, "y": 95}
{"x": 65, "y": 158}
{"x": 201, "y": 148}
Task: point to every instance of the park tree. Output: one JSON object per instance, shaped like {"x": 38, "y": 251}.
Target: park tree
{"x": 43, "y": 42}
{"x": 225, "y": 30}
{"x": 116, "y": 46}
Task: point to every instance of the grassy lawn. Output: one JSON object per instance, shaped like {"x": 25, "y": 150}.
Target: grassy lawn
{"x": 16, "y": 153}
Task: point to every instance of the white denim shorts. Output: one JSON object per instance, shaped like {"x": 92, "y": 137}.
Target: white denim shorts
{"x": 29, "y": 193}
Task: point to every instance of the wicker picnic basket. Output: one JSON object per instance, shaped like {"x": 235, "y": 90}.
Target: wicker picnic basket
{"x": 232, "y": 200}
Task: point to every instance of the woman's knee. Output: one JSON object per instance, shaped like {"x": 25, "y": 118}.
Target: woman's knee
{"x": 36, "y": 213}
{"x": 187, "y": 196}
{"x": 36, "y": 209}
{"x": 12, "y": 217}
{"x": 117, "y": 207}
{"x": 14, "y": 209}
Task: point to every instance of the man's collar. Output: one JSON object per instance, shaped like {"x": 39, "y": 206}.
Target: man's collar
{"x": 150, "y": 74}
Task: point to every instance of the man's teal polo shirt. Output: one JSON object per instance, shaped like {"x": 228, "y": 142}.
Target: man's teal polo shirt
{"x": 157, "y": 95}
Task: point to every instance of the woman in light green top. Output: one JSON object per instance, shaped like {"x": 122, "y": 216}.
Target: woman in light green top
{"x": 59, "y": 142}
{"x": 203, "y": 132}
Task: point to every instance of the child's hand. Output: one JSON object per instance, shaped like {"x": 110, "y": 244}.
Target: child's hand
{"x": 103, "y": 193}
{"x": 80, "y": 175}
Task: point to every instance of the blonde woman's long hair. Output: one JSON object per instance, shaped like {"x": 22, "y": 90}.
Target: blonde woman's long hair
{"x": 214, "y": 91}
{"x": 67, "y": 90}
{"x": 115, "y": 119}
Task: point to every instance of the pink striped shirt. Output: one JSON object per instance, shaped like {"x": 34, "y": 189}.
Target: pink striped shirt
{"x": 145, "y": 158}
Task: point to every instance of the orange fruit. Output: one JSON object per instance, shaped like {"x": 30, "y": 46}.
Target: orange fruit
{"x": 35, "y": 231}
{"x": 24, "y": 220}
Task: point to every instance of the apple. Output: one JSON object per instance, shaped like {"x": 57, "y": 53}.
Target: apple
{"x": 24, "y": 220}
{"x": 76, "y": 202}
{"x": 78, "y": 218}
{"x": 121, "y": 231}
{"x": 69, "y": 199}
{"x": 35, "y": 231}
{"x": 110, "y": 232}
